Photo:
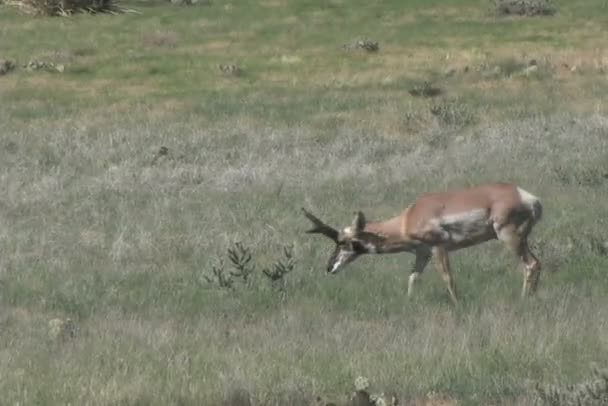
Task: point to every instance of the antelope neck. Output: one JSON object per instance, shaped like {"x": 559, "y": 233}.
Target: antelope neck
{"x": 388, "y": 236}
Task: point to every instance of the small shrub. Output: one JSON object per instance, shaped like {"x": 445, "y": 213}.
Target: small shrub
{"x": 6, "y": 65}
{"x": 240, "y": 256}
{"x": 524, "y": 7}
{"x": 244, "y": 269}
{"x": 279, "y": 269}
{"x": 219, "y": 277}
{"x": 282, "y": 266}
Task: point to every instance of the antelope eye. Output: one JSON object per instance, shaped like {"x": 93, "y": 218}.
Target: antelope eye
{"x": 357, "y": 246}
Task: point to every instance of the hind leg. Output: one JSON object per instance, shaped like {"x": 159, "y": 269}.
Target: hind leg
{"x": 443, "y": 266}
{"x": 532, "y": 269}
{"x": 518, "y": 243}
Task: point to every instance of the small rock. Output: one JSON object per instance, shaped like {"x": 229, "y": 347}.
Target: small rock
{"x": 230, "y": 70}
{"x": 32, "y": 65}
{"x": 370, "y": 46}
{"x": 361, "y": 383}
{"x": 530, "y": 69}
{"x": 60, "y": 329}
{"x": 367, "y": 45}
{"x": 35, "y": 65}
{"x": 162, "y": 152}
{"x": 289, "y": 59}
{"x": 450, "y": 72}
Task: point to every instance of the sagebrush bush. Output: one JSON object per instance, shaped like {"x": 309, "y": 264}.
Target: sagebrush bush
{"x": 244, "y": 269}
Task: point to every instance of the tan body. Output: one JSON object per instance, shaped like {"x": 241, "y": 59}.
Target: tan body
{"x": 437, "y": 223}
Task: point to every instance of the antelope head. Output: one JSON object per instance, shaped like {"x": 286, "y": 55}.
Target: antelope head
{"x": 351, "y": 242}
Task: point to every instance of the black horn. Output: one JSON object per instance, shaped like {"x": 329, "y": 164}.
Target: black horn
{"x": 320, "y": 227}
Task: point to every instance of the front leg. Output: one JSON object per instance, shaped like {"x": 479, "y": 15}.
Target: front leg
{"x": 422, "y": 259}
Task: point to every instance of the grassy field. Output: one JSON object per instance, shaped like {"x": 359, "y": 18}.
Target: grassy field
{"x": 97, "y": 226}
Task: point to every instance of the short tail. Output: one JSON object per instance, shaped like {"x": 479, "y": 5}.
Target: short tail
{"x": 533, "y": 204}
{"x": 537, "y": 211}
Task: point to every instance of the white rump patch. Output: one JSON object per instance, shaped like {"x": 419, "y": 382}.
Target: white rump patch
{"x": 527, "y": 198}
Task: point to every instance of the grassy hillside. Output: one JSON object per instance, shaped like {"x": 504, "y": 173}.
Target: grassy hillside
{"x": 99, "y": 227}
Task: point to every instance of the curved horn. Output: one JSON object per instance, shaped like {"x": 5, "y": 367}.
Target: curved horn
{"x": 320, "y": 227}
{"x": 359, "y": 222}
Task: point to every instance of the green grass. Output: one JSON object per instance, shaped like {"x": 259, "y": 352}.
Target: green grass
{"x": 94, "y": 228}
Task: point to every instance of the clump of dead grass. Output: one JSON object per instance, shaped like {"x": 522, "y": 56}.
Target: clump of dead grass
{"x": 452, "y": 113}
{"x": 160, "y": 39}
{"x": 425, "y": 89}
{"x": 524, "y": 7}
{"x": 65, "y": 7}
{"x": 589, "y": 393}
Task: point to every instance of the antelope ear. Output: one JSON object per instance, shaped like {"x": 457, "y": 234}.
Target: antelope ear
{"x": 358, "y": 222}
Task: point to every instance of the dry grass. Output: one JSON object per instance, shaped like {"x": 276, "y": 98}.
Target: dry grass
{"x": 142, "y": 311}
{"x": 97, "y": 226}
{"x": 160, "y": 39}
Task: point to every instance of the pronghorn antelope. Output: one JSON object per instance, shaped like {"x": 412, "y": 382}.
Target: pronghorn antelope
{"x": 437, "y": 223}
